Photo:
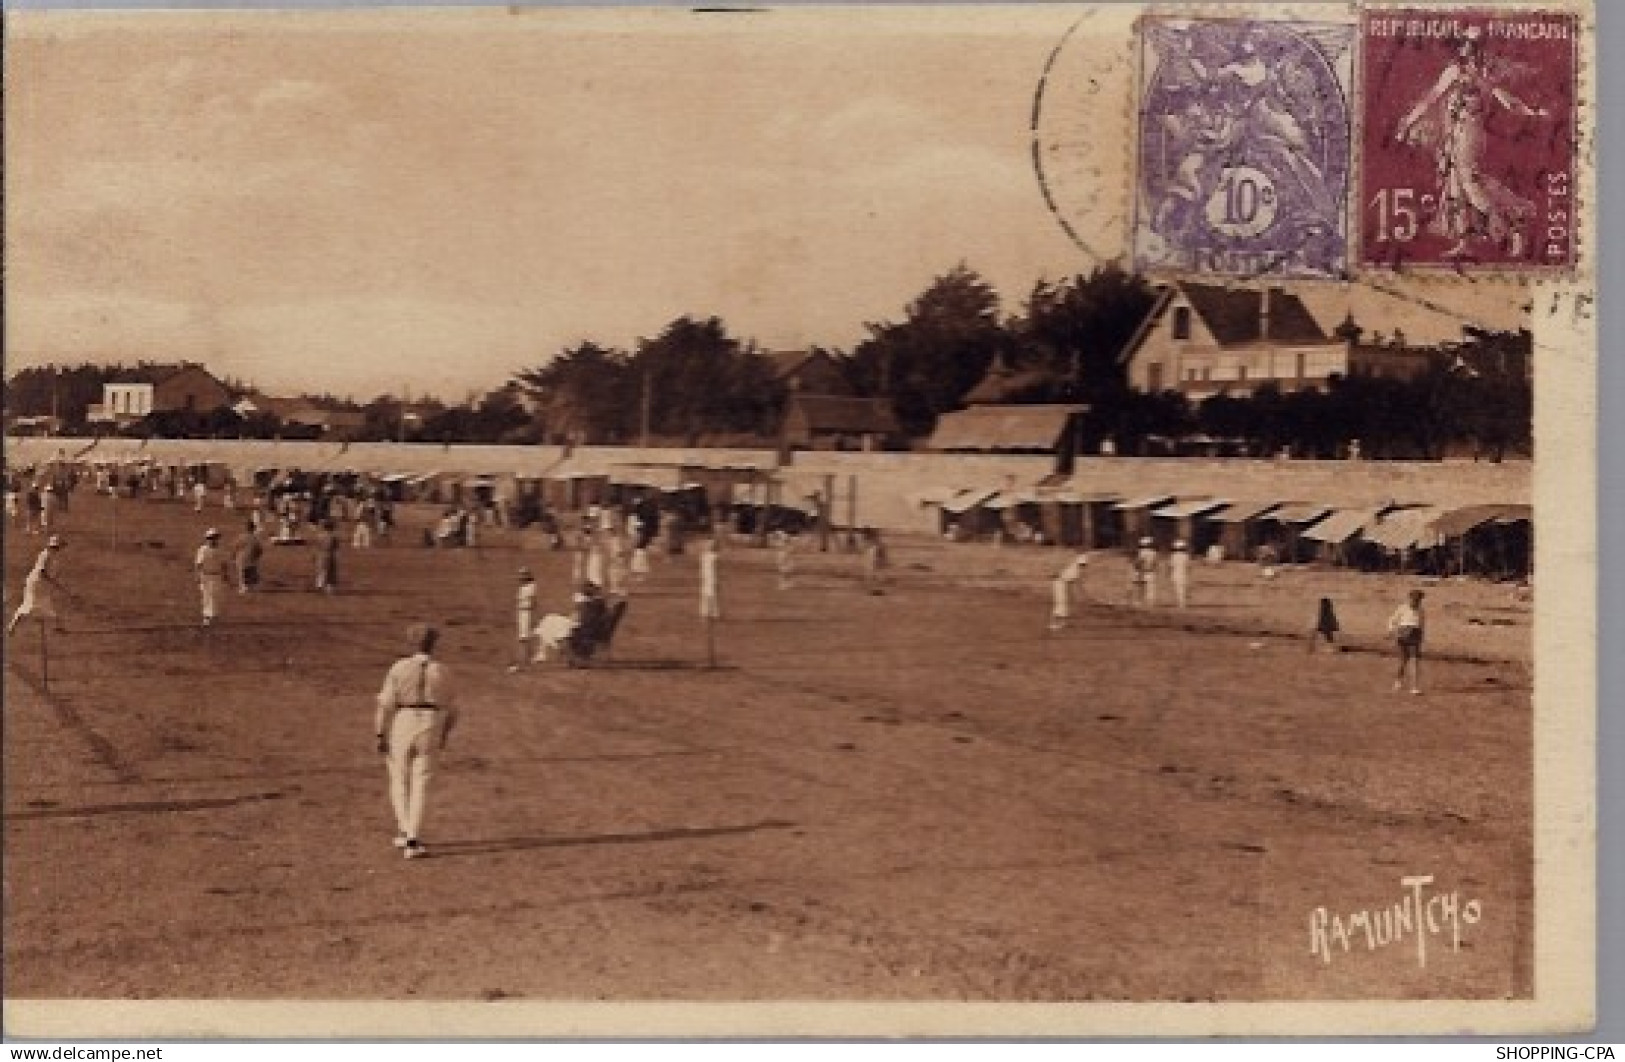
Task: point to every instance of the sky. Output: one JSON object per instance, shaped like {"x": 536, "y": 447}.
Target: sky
{"x": 426, "y": 202}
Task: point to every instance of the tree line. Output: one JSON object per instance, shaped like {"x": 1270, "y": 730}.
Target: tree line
{"x": 695, "y": 383}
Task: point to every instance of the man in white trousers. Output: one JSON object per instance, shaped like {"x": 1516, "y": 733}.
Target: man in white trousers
{"x": 1179, "y": 573}
{"x": 210, "y": 565}
{"x": 414, "y": 720}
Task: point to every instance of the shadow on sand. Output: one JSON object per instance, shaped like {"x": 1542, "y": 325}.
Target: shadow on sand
{"x": 447, "y": 849}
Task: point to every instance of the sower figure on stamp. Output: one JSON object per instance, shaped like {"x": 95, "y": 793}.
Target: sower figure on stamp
{"x": 1407, "y": 624}
{"x": 1473, "y": 204}
{"x": 414, "y": 720}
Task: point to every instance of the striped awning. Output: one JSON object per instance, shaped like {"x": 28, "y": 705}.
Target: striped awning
{"x": 1300, "y": 513}
{"x": 933, "y": 496}
{"x": 967, "y": 500}
{"x": 1193, "y": 507}
{"x": 658, "y": 477}
{"x": 1340, "y": 526}
{"x": 1076, "y": 497}
{"x": 1458, "y": 522}
{"x": 1149, "y": 501}
{"x": 1404, "y": 529}
{"x": 1238, "y": 512}
{"x": 1009, "y": 500}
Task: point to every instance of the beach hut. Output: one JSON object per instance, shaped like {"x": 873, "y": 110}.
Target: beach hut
{"x": 1336, "y": 537}
{"x": 1073, "y": 516}
{"x": 961, "y": 514}
{"x": 1135, "y": 514}
{"x": 1017, "y": 516}
{"x": 1491, "y": 540}
{"x": 1179, "y": 520}
{"x": 1235, "y": 528}
{"x": 1282, "y": 528}
{"x": 572, "y": 485}
{"x": 1406, "y": 537}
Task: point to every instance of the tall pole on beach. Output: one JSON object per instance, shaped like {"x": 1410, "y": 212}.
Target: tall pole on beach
{"x": 643, "y": 410}
{"x": 826, "y": 506}
{"x": 851, "y": 512}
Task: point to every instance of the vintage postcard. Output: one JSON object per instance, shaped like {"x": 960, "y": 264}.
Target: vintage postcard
{"x": 984, "y": 520}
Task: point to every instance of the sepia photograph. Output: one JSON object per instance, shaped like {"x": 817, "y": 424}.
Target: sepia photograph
{"x": 891, "y": 520}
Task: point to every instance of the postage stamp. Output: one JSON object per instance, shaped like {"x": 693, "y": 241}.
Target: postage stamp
{"x": 1468, "y": 139}
{"x": 1243, "y": 151}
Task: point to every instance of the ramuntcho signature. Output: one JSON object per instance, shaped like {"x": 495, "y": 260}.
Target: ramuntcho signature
{"x": 1420, "y": 914}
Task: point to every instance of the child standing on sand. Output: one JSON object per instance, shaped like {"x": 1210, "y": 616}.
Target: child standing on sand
{"x": 1406, "y": 625}
{"x": 1325, "y": 625}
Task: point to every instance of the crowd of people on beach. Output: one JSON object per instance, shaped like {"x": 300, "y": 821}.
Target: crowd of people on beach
{"x": 612, "y": 550}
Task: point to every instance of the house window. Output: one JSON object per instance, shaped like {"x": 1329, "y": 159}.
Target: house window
{"x": 1207, "y": 374}
{"x": 1182, "y": 322}
{"x": 1241, "y": 372}
{"x": 1153, "y": 376}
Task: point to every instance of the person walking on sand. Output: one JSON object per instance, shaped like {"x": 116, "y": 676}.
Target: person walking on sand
{"x": 1063, "y": 588}
{"x": 594, "y": 569}
{"x": 49, "y": 502}
{"x": 210, "y": 566}
{"x": 615, "y": 564}
{"x": 785, "y": 544}
{"x": 710, "y": 592}
{"x": 1326, "y": 625}
{"x": 874, "y": 559}
{"x": 1407, "y": 625}
{"x": 34, "y": 504}
{"x": 638, "y": 533}
{"x": 247, "y": 552}
{"x": 38, "y": 600}
{"x": 1143, "y": 576}
{"x": 361, "y": 534}
{"x": 327, "y": 558}
{"x": 413, "y": 722}
{"x": 1179, "y": 573}
{"x": 525, "y": 616}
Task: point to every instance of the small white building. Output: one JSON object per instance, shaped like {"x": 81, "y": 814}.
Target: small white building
{"x": 122, "y": 402}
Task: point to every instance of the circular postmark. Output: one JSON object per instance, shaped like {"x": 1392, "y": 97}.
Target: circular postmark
{"x": 1081, "y": 131}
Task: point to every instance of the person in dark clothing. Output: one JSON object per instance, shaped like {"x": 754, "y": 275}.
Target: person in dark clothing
{"x": 1325, "y": 625}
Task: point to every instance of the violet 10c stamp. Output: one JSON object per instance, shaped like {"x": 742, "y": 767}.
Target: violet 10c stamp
{"x": 1468, "y": 139}
{"x": 1243, "y": 152}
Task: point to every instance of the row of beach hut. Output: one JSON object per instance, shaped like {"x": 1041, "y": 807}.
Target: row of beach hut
{"x": 1494, "y": 540}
